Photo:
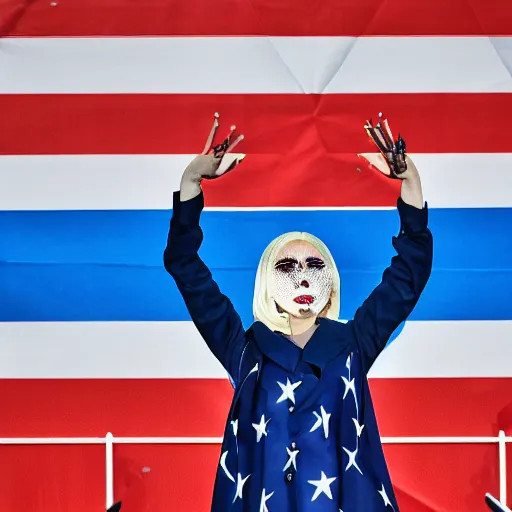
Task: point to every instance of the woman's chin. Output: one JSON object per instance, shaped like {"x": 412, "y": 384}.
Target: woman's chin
{"x": 299, "y": 311}
{"x": 302, "y": 313}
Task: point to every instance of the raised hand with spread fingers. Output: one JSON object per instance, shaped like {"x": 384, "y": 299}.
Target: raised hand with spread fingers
{"x": 215, "y": 161}
{"x": 393, "y": 161}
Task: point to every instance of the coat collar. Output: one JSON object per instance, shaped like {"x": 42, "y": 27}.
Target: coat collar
{"x": 325, "y": 344}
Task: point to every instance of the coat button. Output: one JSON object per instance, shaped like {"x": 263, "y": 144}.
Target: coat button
{"x": 289, "y": 477}
{"x": 291, "y": 408}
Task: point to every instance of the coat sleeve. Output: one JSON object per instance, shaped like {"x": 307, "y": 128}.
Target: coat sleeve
{"x": 402, "y": 283}
{"x": 211, "y": 311}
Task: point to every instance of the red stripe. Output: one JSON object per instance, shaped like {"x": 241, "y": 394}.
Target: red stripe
{"x": 198, "y": 407}
{"x": 442, "y": 478}
{"x": 443, "y": 407}
{"x": 318, "y": 180}
{"x": 180, "y": 478}
{"x": 273, "y": 124}
{"x": 93, "y": 407}
{"x": 52, "y": 478}
{"x": 257, "y": 17}
{"x": 427, "y": 478}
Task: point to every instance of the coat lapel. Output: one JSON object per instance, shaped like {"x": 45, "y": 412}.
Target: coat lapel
{"x": 327, "y": 342}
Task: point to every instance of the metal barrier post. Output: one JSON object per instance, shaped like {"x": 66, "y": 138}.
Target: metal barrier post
{"x": 502, "y": 451}
{"x": 109, "y": 469}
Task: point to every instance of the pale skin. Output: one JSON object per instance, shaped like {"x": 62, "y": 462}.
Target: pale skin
{"x": 300, "y": 324}
{"x": 206, "y": 165}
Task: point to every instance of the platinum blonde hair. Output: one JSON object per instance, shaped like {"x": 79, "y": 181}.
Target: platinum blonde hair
{"x": 264, "y": 305}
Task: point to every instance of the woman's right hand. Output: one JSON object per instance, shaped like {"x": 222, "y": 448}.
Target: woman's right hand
{"x": 214, "y": 161}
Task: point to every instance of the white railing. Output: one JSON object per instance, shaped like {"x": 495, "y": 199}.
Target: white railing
{"x": 109, "y": 440}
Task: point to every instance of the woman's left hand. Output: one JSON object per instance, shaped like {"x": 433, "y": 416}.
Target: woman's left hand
{"x": 391, "y": 160}
{"x": 376, "y": 161}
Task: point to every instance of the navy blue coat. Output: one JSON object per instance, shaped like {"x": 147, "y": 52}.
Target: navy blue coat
{"x": 301, "y": 434}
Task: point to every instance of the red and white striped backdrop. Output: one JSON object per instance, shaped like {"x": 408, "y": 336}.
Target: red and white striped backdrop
{"x": 102, "y": 104}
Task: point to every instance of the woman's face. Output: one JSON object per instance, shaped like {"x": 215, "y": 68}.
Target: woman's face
{"x": 301, "y": 280}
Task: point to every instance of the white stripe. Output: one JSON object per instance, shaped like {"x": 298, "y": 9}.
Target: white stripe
{"x": 133, "y": 182}
{"x": 448, "y": 349}
{"x": 255, "y": 65}
{"x": 105, "y": 350}
{"x": 176, "y": 350}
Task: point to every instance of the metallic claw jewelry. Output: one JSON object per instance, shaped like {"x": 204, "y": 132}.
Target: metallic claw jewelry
{"x": 393, "y": 152}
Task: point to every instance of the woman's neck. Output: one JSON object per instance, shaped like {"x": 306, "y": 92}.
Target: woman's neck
{"x": 301, "y": 325}
{"x": 302, "y": 330}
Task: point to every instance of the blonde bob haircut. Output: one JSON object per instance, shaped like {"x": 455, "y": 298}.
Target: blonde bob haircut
{"x": 265, "y": 308}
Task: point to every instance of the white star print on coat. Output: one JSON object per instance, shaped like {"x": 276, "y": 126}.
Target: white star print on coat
{"x": 321, "y": 421}
{"x": 322, "y": 486}
{"x": 359, "y": 428}
{"x": 349, "y": 386}
{"x": 261, "y": 428}
{"x": 288, "y": 390}
{"x": 264, "y": 499}
{"x": 240, "y": 485}
{"x": 224, "y": 468}
{"x": 352, "y": 460}
{"x": 384, "y": 495}
{"x": 292, "y": 454}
